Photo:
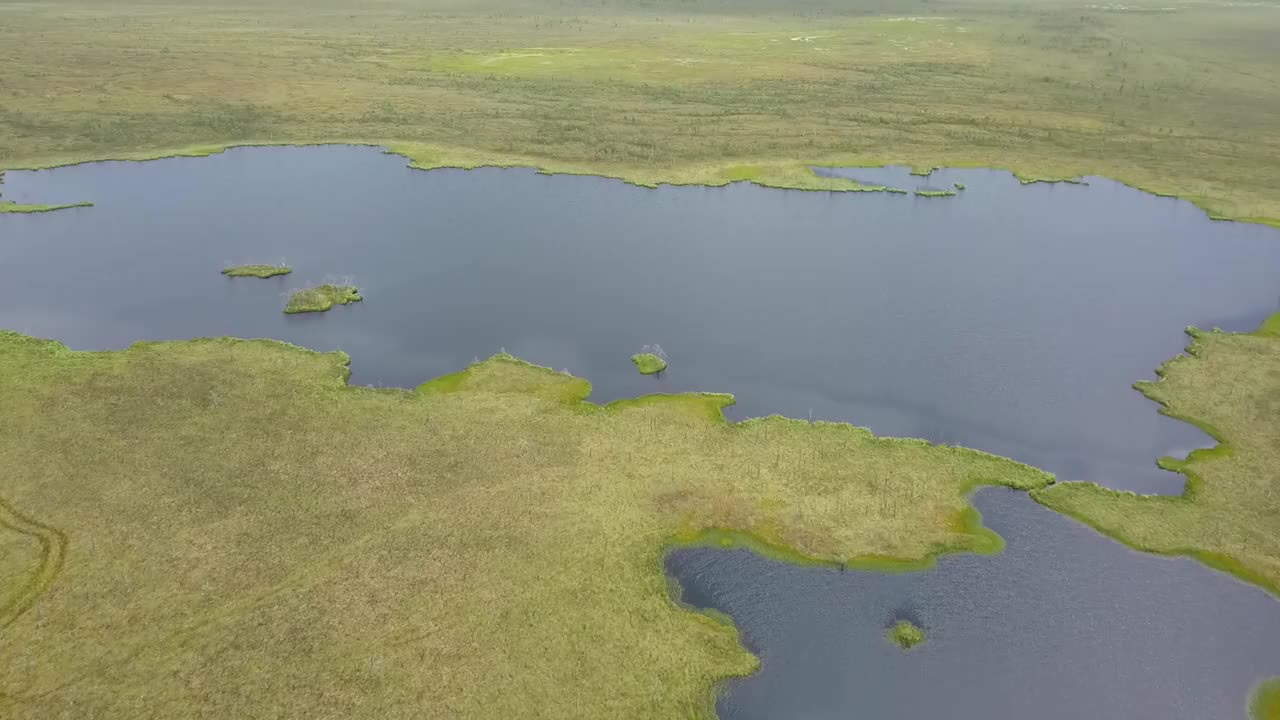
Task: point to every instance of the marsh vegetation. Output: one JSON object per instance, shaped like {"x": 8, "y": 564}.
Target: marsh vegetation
{"x": 258, "y": 271}
{"x": 905, "y": 634}
{"x": 1177, "y": 99}
{"x": 321, "y": 298}
{"x": 253, "y": 525}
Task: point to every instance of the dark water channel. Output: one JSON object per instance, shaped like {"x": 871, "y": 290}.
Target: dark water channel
{"x": 1064, "y": 625}
{"x": 1011, "y": 319}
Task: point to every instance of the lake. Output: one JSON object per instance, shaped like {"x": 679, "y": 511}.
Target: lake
{"x": 1009, "y": 318}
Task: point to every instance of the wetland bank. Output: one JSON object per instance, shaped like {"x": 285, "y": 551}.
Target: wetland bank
{"x": 1009, "y": 318}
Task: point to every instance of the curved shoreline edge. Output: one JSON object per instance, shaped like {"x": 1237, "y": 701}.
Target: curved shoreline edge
{"x": 781, "y": 174}
{"x": 1086, "y": 501}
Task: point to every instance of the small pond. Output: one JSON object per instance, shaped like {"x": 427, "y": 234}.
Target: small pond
{"x": 1063, "y": 625}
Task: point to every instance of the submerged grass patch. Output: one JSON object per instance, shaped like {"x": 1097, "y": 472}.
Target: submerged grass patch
{"x": 258, "y": 271}
{"x": 490, "y": 545}
{"x": 321, "y": 298}
{"x": 704, "y": 92}
{"x": 1229, "y": 516}
{"x": 648, "y": 363}
{"x": 905, "y": 634}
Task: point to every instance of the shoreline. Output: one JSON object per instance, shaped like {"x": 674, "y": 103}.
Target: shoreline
{"x": 780, "y": 174}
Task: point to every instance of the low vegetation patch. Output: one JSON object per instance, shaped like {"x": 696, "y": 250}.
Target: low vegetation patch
{"x": 321, "y": 298}
{"x": 1265, "y": 703}
{"x": 258, "y": 271}
{"x": 1229, "y": 516}
{"x": 706, "y": 92}
{"x": 12, "y": 207}
{"x": 935, "y": 193}
{"x": 252, "y": 535}
{"x": 906, "y": 634}
{"x": 648, "y": 363}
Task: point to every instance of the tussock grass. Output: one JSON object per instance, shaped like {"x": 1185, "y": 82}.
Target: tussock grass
{"x": 321, "y": 298}
{"x": 648, "y": 363}
{"x": 707, "y": 92}
{"x": 258, "y": 271}
{"x": 251, "y": 536}
{"x": 1229, "y": 516}
{"x": 905, "y": 634}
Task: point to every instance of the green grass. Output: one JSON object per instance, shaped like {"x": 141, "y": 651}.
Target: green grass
{"x": 12, "y": 207}
{"x": 1229, "y": 516}
{"x": 321, "y": 298}
{"x": 251, "y": 536}
{"x": 1178, "y": 102}
{"x": 1265, "y": 703}
{"x": 935, "y": 193}
{"x": 959, "y": 186}
{"x": 648, "y": 363}
{"x": 905, "y": 634}
{"x": 258, "y": 271}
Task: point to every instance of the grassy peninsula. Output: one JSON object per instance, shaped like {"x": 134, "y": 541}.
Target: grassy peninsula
{"x": 250, "y": 535}
{"x": 1173, "y": 97}
{"x": 1229, "y": 516}
{"x": 648, "y": 363}
{"x": 321, "y": 298}
{"x": 905, "y": 634}
{"x": 258, "y": 271}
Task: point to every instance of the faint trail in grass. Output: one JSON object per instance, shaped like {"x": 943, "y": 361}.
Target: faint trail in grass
{"x": 53, "y": 553}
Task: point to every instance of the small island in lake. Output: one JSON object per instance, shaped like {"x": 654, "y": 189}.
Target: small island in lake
{"x": 258, "y": 271}
{"x": 321, "y": 298}
{"x": 935, "y": 193}
{"x": 649, "y": 363}
{"x": 906, "y": 634}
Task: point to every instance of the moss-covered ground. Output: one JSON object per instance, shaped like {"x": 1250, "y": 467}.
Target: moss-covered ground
{"x": 258, "y": 271}
{"x": 905, "y": 634}
{"x": 321, "y": 298}
{"x": 1177, "y": 98}
{"x": 250, "y": 536}
{"x": 13, "y": 207}
{"x": 648, "y": 363}
{"x": 1265, "y": 703}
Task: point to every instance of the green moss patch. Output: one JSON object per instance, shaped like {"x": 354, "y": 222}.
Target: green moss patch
{"x": 12, "y": 207}
{"x": 1265, "y": 703}
{"x": 905, "y": 634}
{"x": 258, "y": 271}
{"x": 648, "y": 363}
{"x": 321, "y": 298}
